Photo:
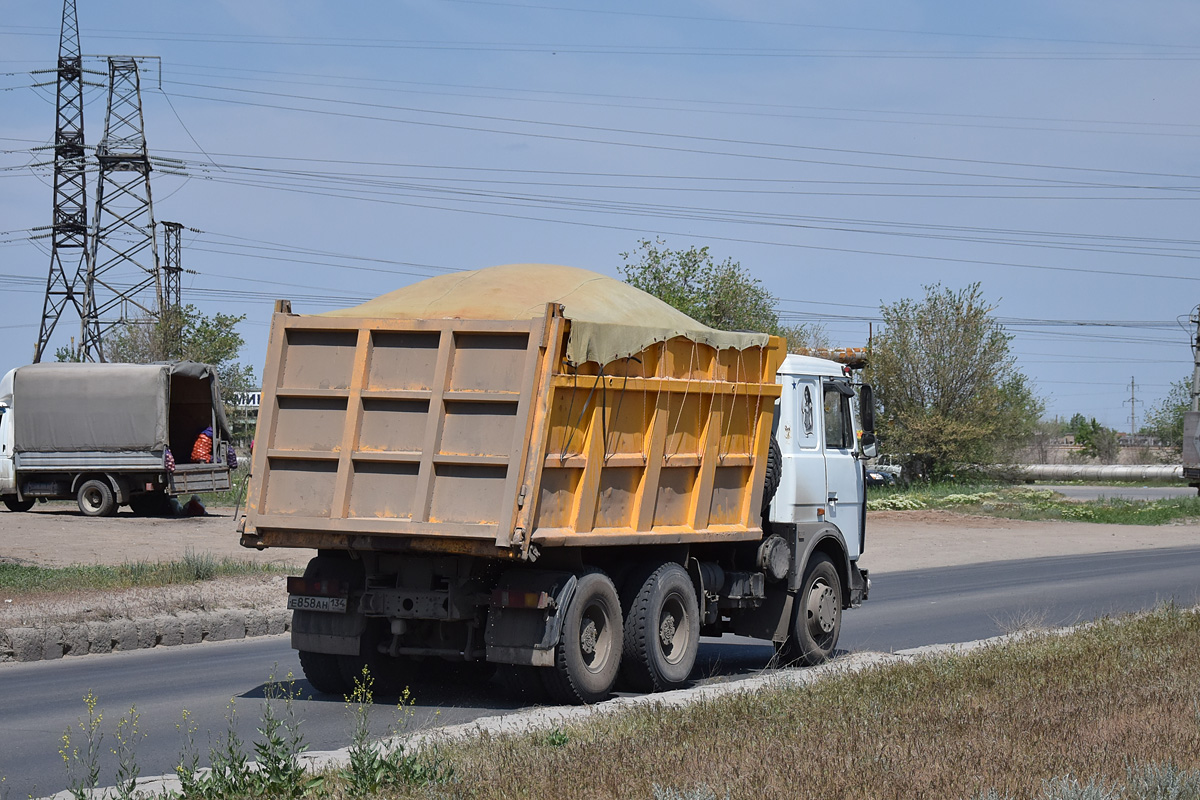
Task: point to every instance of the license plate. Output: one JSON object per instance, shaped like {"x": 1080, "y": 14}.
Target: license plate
{"x": 302, "y": 603}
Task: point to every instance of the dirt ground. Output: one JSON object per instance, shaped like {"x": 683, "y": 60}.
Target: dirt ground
{"x": 56, "y": 534}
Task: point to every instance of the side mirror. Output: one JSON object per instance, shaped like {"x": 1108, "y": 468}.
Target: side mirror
{"x": 868, "y": 445}
{"x": 866, "y": 408}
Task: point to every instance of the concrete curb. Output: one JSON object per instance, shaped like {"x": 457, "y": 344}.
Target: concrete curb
{"x": 121, "y": 635}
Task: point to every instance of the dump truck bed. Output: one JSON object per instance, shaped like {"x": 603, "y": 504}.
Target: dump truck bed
{"x": 478, "y": 436}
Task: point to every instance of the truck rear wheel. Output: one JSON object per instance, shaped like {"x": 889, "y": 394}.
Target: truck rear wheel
{"x": 13, "y": 504}
{"x": 662, "y": 631}
{"x": 95, "y": 498}
{"x": 816, "y": 614}
{"x": 385, "y": 671}
{"x": 324, "y": 672}
{"x": 588, "y": 654}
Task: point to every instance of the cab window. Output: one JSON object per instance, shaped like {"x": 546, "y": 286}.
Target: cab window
{"x": 838, "y": 432}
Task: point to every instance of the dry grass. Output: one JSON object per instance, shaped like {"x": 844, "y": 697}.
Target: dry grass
{"x": 1004, "y": 719}
{"x": 41, "y": 608}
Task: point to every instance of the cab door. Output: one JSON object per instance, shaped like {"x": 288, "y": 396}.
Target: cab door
{"x": 801, "y": 494}
{"x": 844, "y": 485}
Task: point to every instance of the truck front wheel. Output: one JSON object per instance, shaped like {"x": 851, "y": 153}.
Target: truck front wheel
{"x": 816, "y": 614}
{"x": 95, "y": 498}
{"x": 13, "y": 504}
{"x": 589, "y": 653}
{"x": 662, "y": 631}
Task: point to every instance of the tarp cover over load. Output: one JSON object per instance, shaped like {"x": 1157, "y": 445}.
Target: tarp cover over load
{"x": 609, "y": 318}
{"x": 103, "y": 407}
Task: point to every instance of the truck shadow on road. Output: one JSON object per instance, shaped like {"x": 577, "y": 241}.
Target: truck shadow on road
{"x": 439, "y": 684}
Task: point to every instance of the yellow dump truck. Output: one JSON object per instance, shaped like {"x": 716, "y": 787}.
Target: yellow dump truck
{"x": 545, "y": 468}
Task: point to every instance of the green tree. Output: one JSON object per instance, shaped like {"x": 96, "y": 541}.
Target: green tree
{"x": 1165, "y": 420}
{"x": 1078, "y": 423}
{"x": 724, "y": 295}
{"x": 1098, "y": 442}
{"x": 948, "y": 388}
{"x": 186, "y": 335}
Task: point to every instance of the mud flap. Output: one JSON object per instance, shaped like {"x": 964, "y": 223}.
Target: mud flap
{"x": 770, "y": 620}
{"x": 322, "y": 632}
{"x": 524, "y": 620}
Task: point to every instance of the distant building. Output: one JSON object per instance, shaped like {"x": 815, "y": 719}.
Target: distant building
{"x": 245, "y": 416}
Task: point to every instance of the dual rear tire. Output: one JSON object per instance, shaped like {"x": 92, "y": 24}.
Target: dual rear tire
{"x": 662, "y": 630}
{"x": 651, "y": 646}
{"x": 588, "y": 655}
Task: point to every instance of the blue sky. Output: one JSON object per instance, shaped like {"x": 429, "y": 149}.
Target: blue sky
{"x": 846, "y": 154}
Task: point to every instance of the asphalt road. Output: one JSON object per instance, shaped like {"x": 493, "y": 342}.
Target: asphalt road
{"x": 39, "y": 701}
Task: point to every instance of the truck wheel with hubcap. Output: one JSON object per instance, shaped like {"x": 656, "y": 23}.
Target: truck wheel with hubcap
{"x": 95, "y": 498}
{"x": 588, "y": 654}
{"x": 13, "y": 504}
{"x": 816, "y": 614}
{"x": 662, "y": 631}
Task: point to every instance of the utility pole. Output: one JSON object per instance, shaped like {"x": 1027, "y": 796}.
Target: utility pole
{"x": 69, "y": 254}
{"x": 124, "y": 282}
{"x": 1133, "y": 401}
{"x": 1195, "y": 320}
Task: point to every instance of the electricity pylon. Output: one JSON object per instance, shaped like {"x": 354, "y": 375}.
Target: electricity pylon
{"x": 67, "y": 282}
{"x": 172, "y": 267}
{"x": 124, "y": 283}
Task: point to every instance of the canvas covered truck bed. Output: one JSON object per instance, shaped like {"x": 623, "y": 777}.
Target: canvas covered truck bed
{"x": 504, "y": 411}
{"x": 117, "y": 418}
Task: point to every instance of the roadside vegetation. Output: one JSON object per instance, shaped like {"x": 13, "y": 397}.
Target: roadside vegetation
{"x": 192, "y": 568}
{"x": 1032, "y": 503}
{"x": 1109, "y": 711}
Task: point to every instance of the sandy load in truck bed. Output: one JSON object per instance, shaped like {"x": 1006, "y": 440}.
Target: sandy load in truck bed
{"x": 609, "y": 318}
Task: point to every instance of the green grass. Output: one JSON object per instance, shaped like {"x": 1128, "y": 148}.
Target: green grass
{"x": 1032, "y": 503}
{"x": 192, "y": 568}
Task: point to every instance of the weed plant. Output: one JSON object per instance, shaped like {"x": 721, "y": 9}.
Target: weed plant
{"x": 280, "y": 744}
{"x": 127, "y": 735}
{"x": 81, "y": 753}
{"x": 375, "y": 766}
{"x": 192, "y": 568}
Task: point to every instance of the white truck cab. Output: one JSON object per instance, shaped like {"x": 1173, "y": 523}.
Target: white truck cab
{"x": 817, "y": 427}
{"x": 815, "y": 521}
